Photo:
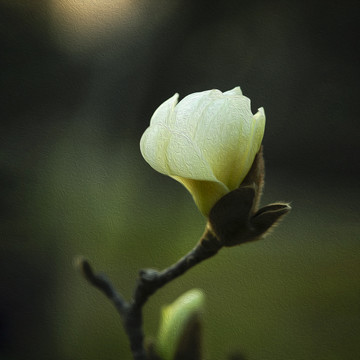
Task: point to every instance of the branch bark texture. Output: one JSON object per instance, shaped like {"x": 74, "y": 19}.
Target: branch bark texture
{"x": 148, "y": 283}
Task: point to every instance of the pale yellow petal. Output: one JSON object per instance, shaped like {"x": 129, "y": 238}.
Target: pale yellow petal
{"x": 164, "y": 112}
{"x": 204, "y": 193}
{"x": 234, "y": 91}
{"x": 154, "y": 142}
{"x": 185, "y": 159}
{"x": 174, "y": 154}
{"x": 192, "y": 108}
{"x": 221, "y": 131}
{"x": 153, "y": 147}
{"x": 248, "y": 149}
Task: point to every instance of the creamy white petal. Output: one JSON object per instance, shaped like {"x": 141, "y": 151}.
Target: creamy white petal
{"x": 185, "y": 158}
{"x": 175, "y": 154}
{"x": 153, "y": 147}
{"x": 154, "y": 142}
{"x": 193, "y": 107}
{"x": 164, "y": 112}
{"x": 250, "y": 145}
{"x": 234, "y": 91}
{"x": 221, "y": 131}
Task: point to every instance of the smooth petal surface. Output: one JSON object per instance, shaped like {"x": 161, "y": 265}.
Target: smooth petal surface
{"x": 222, "y": 129}
{"x": 164, "y": 113}
{"x": 249, "y": 143}
{"x": 226, "y": 129}
{"x": 154, "y": 142}
{"x": 168, "y": 146}
{"x": 205, "y": 193}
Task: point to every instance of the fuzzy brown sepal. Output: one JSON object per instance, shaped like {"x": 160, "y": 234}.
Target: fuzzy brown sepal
{"x": 236, "y": 219}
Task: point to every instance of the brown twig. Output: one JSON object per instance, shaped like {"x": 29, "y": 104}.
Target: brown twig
{"x": 148, "y": 283}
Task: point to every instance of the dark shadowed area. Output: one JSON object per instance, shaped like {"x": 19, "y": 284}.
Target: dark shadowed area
{"x": 79, "y": 82}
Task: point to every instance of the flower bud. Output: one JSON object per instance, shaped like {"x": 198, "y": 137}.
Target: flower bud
{"x": 179, "y": 330}
{"x": 207, "y": 142}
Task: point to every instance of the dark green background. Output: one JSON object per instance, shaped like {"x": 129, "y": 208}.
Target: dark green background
{"x": 73, "y": 106}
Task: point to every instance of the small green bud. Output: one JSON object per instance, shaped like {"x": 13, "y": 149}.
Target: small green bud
{"x": 177, "y": 320}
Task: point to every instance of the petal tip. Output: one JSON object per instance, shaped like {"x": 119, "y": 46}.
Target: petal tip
{"x": 260, "y": 115}
{"x": 235, "y": 91}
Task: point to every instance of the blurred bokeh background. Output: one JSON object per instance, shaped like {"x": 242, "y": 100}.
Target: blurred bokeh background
{"x": 79, "y": 83}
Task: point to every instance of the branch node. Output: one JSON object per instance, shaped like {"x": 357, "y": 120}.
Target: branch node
{"x": 148, "y": 275}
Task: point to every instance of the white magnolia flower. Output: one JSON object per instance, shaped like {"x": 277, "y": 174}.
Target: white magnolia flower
{"x": 207, "y": 142}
